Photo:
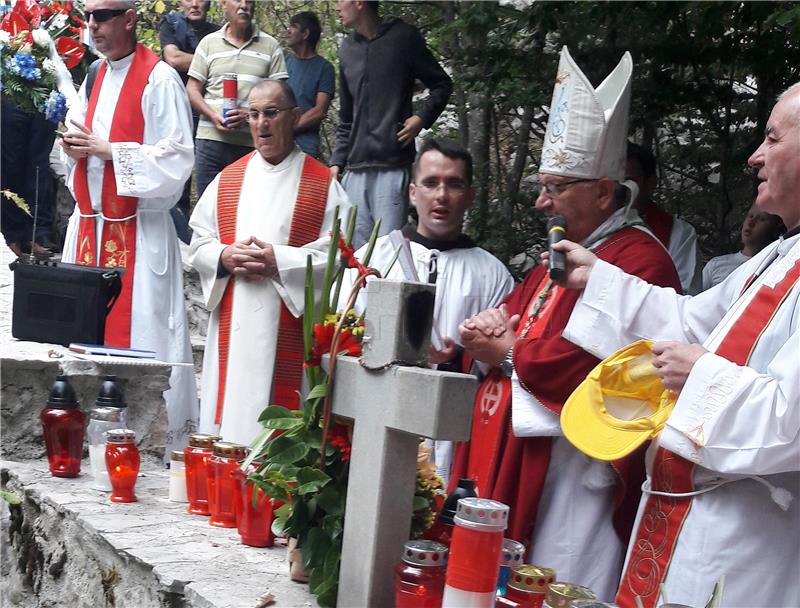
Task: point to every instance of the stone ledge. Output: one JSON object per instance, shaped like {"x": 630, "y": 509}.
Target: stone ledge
{"x": 68, "y": 545}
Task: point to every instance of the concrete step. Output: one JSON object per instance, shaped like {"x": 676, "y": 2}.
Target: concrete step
{"x": 67, "y": 545}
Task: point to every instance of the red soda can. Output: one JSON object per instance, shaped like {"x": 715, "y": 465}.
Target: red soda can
{"x": 230, "y": 93}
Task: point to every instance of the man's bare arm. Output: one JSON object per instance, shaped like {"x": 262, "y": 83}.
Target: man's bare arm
{"x": 178, "y": 59}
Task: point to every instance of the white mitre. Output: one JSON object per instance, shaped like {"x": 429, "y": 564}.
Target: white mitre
{"x": 588, "y": 128}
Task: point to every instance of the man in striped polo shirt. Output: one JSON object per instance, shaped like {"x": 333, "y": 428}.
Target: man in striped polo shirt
{"x": 253, "y": 56}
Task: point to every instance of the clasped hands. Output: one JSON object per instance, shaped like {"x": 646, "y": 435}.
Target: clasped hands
{"x": 490, "y": 334}
{"x": 83, "y": 143}
{"x": 251, "y": 259}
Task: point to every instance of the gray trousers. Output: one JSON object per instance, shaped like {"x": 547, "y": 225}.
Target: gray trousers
{"x": 379, "y": 194}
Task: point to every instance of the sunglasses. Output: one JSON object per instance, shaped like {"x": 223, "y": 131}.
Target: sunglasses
{"x": 101, "y": 15}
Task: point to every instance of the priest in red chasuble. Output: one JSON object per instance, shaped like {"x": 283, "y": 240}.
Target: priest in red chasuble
{"x": 573, "y": 512}
{"x": 254, "y": 228}
{"x": 128, "y": 150}
{"x": 724, "y": 474}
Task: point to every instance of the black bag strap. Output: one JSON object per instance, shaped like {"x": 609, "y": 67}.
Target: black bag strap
{"x": 114, "y": 282}
{"x": 91, "y": 76}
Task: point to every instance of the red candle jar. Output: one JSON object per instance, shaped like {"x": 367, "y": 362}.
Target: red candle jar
{"x": 254, "y": 521}
{"x": 63, "y": 425}
{"x": 419, "y": 578}
{"x": 223, "y": 485}
{"x": 527, "y": 587}
{"x": 475, "y": 551}
{"x": 196, "y": 462}
{"x": 122, "y": 462}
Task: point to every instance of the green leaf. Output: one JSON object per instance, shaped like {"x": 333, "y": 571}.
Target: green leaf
{"x": 419, "y": 503}
{"x": 315, "y": 548}
{"x": 319, "y": 391}
{"x": 326, "y": 593}
{"x": 286, "y": 450}
{"x": 316, "y": 578}
{"x": 279, "y": 527}
{"x": 333, "y": 525}
{"x": 10, "y": 497}
{"x": 279, "y": 417}
{"x": 332, "y": 560}
{"x": 310, "y": 480}
{"x": 331, "y": 501}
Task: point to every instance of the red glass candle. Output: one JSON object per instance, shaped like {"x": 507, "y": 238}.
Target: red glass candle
{"x": 223, "y": 485}
{"x": 419, "y": 578}
{"x": 527, "y": 587}
{"x": 196, "y": 461}
{"x": 122, "y": 462}
{"x": 475, "y": 551}
{"x": 254, "y": 520}
{"x": 63, "y": 425}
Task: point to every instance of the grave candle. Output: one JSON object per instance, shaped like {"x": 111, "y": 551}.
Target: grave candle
{"x": 62, "y": 423}
{"x": 561, "y": 595}
{"x": 177, "y": 477}
{"x": 254, "y": 521}
{"x": 442, "y": 530}
{"x": 527, "y": 587}
{"x": 110, "y": 412}
{"x": 475, "y": 553}
{"x": 122, "y": 462}
{"x": 196, "y": 462}
{"x": 419, "y": 577}
{"x": 511, "y": 557}
{"x": 223, "y": 486}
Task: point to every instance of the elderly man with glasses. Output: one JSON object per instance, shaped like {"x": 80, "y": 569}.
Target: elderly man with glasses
{"x": 128, "y": 152}
{"x": 253, "y": 230}
{"x": 574, "y": 513}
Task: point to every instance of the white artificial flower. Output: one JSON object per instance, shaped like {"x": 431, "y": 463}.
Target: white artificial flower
{"x": 49, "y": 66}
{"x": 5, "y": 38}
{"x": 41, "y": 37}
{"x": 59, "y": 21}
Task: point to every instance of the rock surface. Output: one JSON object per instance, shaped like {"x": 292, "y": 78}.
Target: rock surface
{"x": 66, "y": 544}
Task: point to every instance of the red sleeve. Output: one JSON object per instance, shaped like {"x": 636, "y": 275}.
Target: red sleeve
{"x": 550, "y": 367}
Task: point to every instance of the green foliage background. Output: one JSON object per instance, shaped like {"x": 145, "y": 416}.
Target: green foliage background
{"x": 706, "y": 75}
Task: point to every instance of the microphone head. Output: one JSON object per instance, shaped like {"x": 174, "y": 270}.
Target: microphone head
{"x": 556, "y": 221}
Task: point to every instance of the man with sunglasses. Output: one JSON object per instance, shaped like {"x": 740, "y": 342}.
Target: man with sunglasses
{"x": 574, "y": 513}
{"x": 253, "y": 230}
{"x": 128, "y": 152}
{"x": 241, "y": 49}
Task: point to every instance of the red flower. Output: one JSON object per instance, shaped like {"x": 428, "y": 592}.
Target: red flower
{"x": 71, "y": 51}
{"x": 323, "y": 339}
{"x": 338, "y": 438}
{"x": 352, "y": 262}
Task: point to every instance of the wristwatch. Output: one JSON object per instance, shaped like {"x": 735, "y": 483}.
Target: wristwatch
{"x": 507, "y": 364}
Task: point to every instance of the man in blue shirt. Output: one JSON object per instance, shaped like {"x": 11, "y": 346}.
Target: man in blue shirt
{"x": 311, "y": 78}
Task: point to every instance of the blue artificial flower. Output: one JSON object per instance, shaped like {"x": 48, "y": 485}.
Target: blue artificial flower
{"x": 55, "y": 108}
{"x": 25, "y": 66}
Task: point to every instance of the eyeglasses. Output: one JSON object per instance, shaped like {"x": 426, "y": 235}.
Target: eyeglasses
{"x": 101, "y": 15}
{"x": 452, "y": 185}
{"x": 266, "y": 113}
{"x": 552, "y": 189}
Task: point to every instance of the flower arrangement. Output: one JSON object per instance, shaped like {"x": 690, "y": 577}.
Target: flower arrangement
{"x": 306, "y": 453}
{"x": 37, "y": 40}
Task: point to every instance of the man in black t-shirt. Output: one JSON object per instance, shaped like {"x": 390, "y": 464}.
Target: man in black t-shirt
{"x": 180, "y": 32}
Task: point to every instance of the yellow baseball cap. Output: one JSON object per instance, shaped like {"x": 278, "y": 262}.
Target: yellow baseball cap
{"x": 619, "y": 406}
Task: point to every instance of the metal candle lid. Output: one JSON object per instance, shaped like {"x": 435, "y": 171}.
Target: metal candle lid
{"x": 599, "y": 604}
{"x": 560, "y": 595}
{"x": 177, "y": 455}
{"x": 532, "y": 578}
{"x": 120, "y": 436}
{"x": 481, "y": 513}
{"x": 225, "y": 449}
{"x": 203, "y": 440}
{"x": 425, "y": 553}
{"x": 512, "y": 554}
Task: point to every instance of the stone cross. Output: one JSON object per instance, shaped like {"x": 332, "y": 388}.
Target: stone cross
{"x": 393, "y": 404}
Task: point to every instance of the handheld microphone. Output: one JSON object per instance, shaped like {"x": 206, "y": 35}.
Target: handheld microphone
{"x": 556, "y": 231}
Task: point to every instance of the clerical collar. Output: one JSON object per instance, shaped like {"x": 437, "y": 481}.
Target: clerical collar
{"x": 462, "y": 242}
{"x": 793, "y": 232}
{"x": 120, "y": 64}
{"x": 621, "y": 218}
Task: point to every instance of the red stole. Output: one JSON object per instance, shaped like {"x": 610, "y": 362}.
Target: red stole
{"x": 309, "y": 211}
{"x": 660, "y": 222}
{"x": 664, "y": 516}
{"x": 118, "y": 239}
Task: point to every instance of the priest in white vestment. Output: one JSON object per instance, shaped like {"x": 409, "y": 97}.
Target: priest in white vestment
{"x": 264, "y": 270}
{"x": 737, "y": 423}
{"x": 468, "y": 278}
{"x": 153, "y": 171}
